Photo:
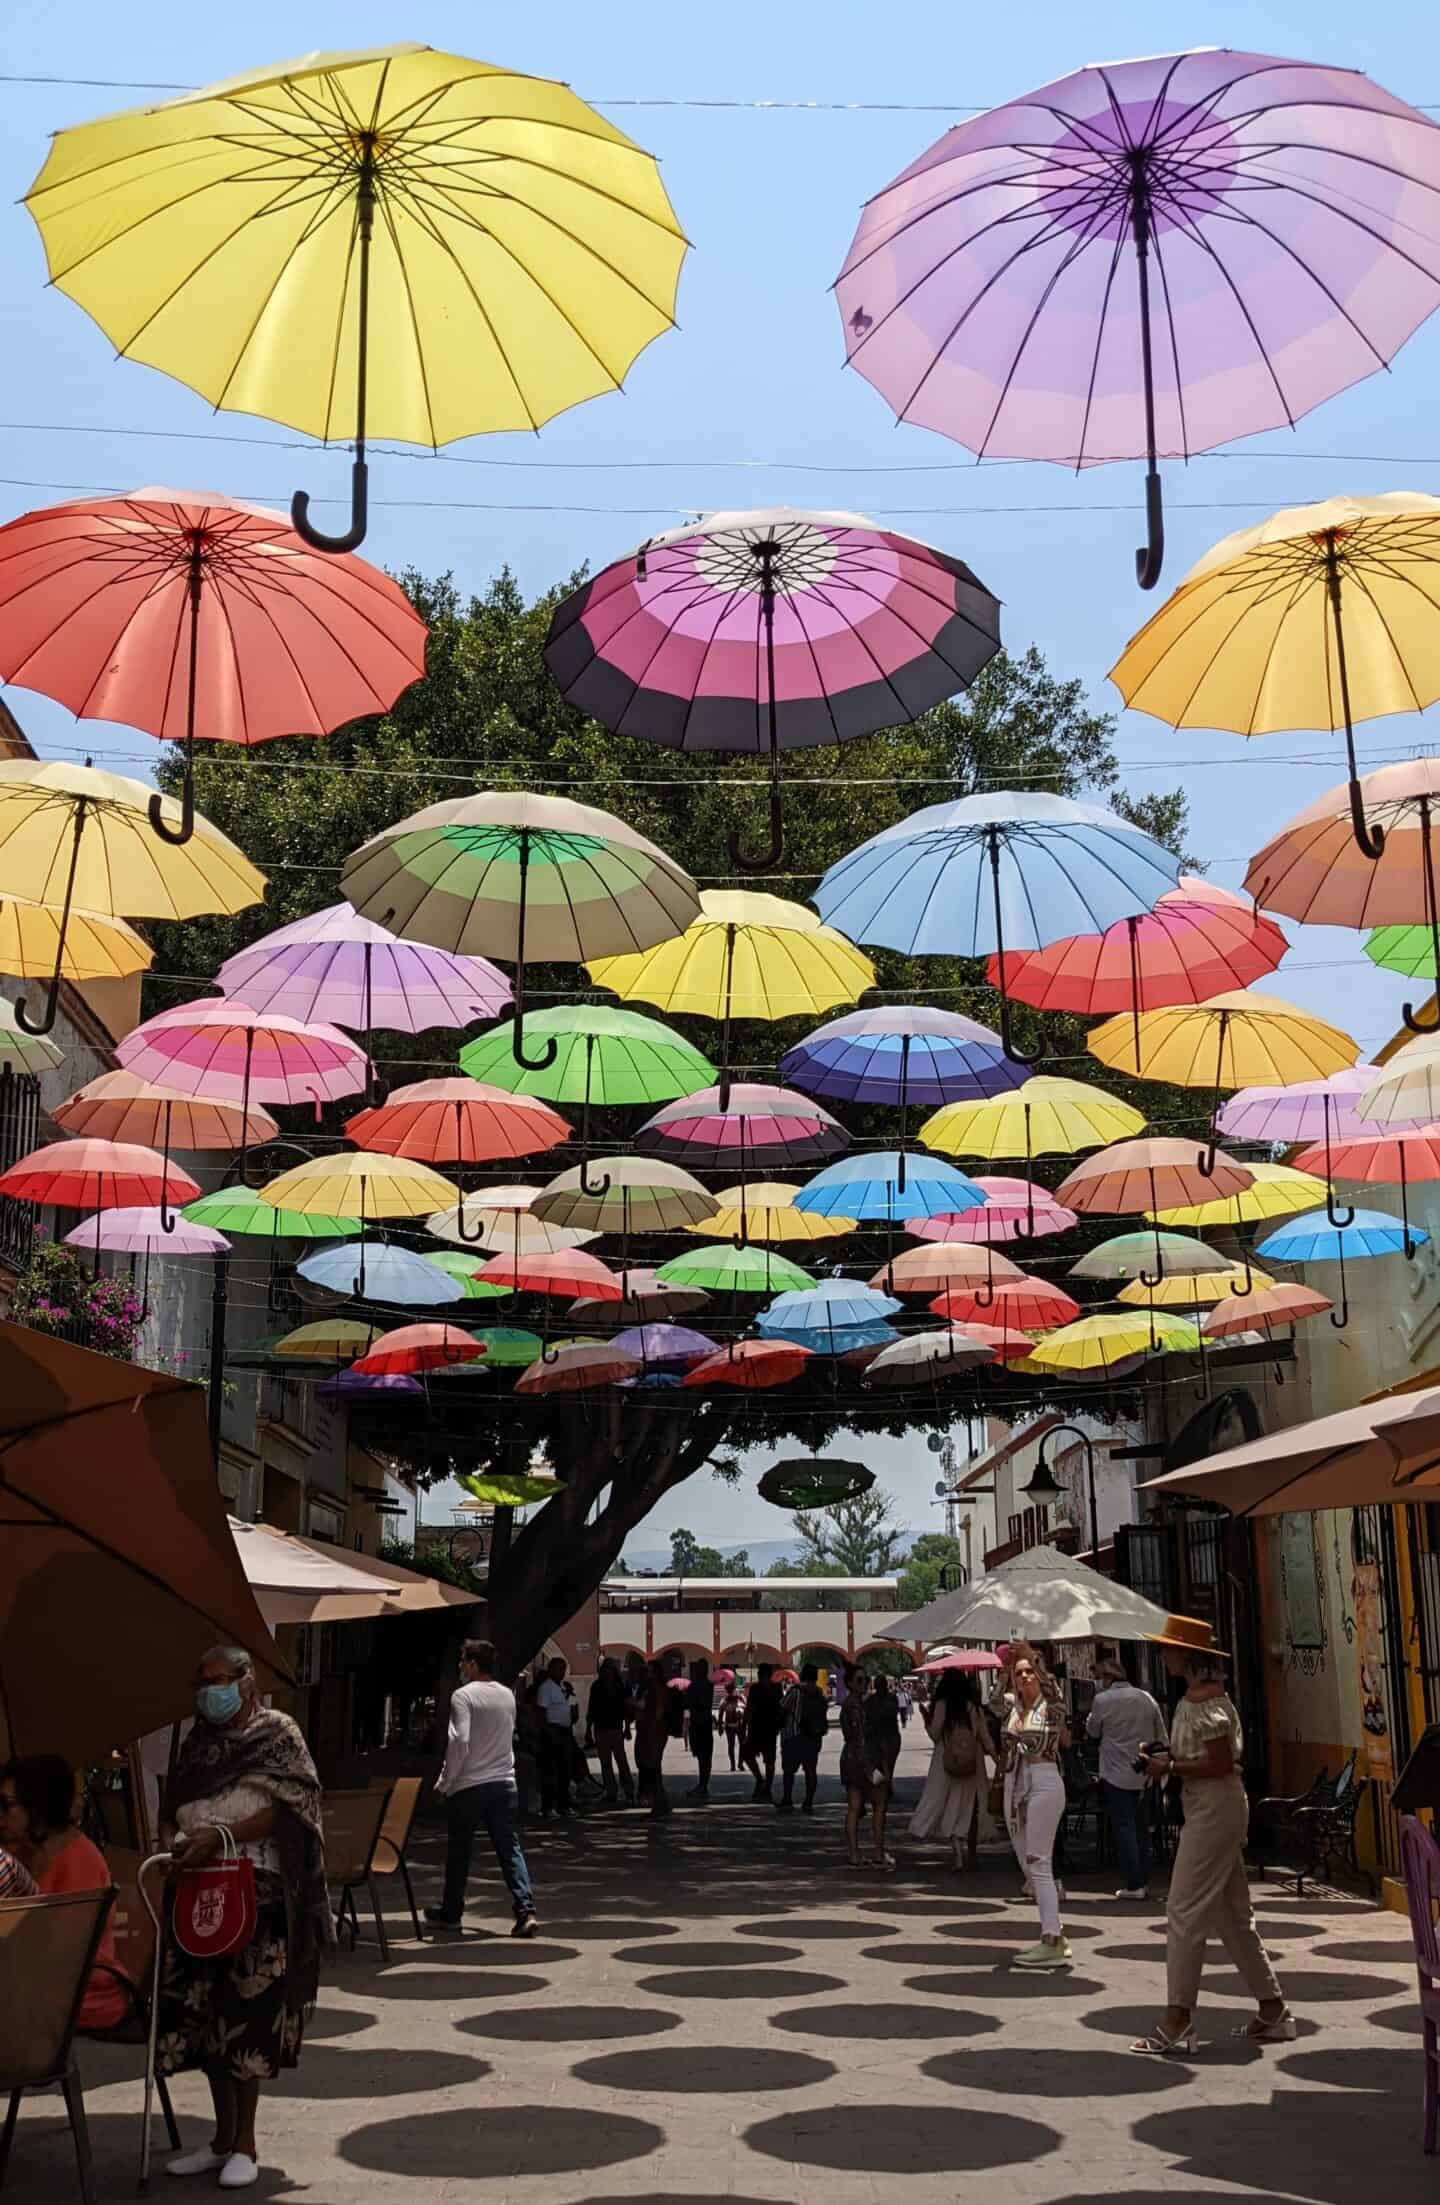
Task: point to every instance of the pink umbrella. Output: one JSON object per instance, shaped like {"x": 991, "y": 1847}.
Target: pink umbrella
{"x": 140, "y": 1232}
{"x": 1320, "y": 1111}
{"x": 757, "y": 1125}
{"x": 1014, "y": 1209}
{"x": 967, "y": 1657}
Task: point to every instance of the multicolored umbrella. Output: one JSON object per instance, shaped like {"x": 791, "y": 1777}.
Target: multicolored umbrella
{"x": 1405, "y": 1158}
{"x": 899, "y": 1054}
{"x": 577, "y": 1366}
{"x": 1148, "y": 258}
{"x": 96, "y": 1175}
{"x": 766, "y": 1211}
{"x": 889, "y": 1185}
{"x": 1015, "y": 1305}
{"x": 178, "y": 613}
{"x": 731, "y": 1270}
{"x": 1045, "y": 1117}
{"x": 770, "y": 631}
{"x": 500, "y": 1218}
{"x": 515, "y": 876}
{"x": 119, "y": 1106}
{"x": 751, "y": 1365}
{"x": 749, "y": 1124}
{"x": 370, "y": 1185}
{"x": 567, "y": 1271}
{"x": 1152, "y": 1254}
{"x": 418, "y": 1348}
{"x": 1276, "y": 1190}
{"x": 457, "y": 1121}
{"x": 962, "y": 879}
{"x": 40, "y": 939}
{"x": 378, "y": 1272}
{"x": 1013, "y": 1209}
{"x": 239, "y": 1210}
{"x": 1269, "y": 1306}
{"x": 1314, "y": 1239}
{"x": 642, "y": 1194}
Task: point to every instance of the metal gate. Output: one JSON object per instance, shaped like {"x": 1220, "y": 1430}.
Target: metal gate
{"x": 1373, "y": 1540}
{"x": 19, "y": 1133}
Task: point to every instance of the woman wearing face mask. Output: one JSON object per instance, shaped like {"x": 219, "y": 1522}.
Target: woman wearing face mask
{"x": 244, "y": 1768}
{"x": 1035, "y": 1732}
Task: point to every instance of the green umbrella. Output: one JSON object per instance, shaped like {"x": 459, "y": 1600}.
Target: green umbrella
{"x": 31, "y": 1053}
{"x": 237, "y": 1210}
{"x": 1407, "y": 949}
{"x": 725, "y": 1268}
{"x": 1149, "y": 1255}
{"x": 462, "y": 1268}
{"x": 502, "y": 1489}
{"x": 507, "y": 1347}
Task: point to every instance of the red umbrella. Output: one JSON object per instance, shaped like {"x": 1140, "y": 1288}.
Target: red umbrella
{"x": 418, "y": 1347}
{"x": 1024, "y": 1305}
{"x": 458, "y": 1121}
{"x": 1005, "y": 1342}
{"x": 1401, "y": 1157}
{"x": 752, "y": 1365}
{"x": 567, "y": 1271}
{"x": 1268, "y": 1306}
{"x": 97, "y": 1175}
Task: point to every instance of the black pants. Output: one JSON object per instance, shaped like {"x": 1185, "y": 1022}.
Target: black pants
{"x": 732, "y": 1741}
{"x": 555, "y": 1766}
{"x": 702, "y": 1745}
{"x": 761, "y": 1752}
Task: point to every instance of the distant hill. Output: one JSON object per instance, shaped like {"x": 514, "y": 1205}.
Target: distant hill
{"x": 762, "y": 1553}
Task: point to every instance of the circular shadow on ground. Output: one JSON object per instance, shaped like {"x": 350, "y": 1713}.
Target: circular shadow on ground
{"x": 1392, "y": 1952}
{"x": 497, "y": 1950}
{"x": 1326, "y": 2149}
{"x": 719, "y": 2070}
{"x": 331, "y": 2071}
{"x": 815, "y": 1926}
{"x": 1405, "y": 2019}
{"x": 901, "y": 2139}
{"x": 897, "y": 2023}
{"x": 337, "y": 2021}
{"x": 1059, "y": 2074}
{"x": 1037, "y": 1984}
{"x": 597, "y": 1931}
{"x": 569, "y": 2024}
{"x": 770, "y": 1983}
{"x": 698, "y": 1955}
{"x": 456, "y": 1988}
{"x": 1306, "y": 1987}
{"x": 1347, "y": 2067}
{"x": 473, "y": 2143}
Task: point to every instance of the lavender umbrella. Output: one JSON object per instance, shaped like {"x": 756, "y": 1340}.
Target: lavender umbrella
{"x": 144, "y": 1232}
{"x": 1287, "y": 214}
{"x": 356, "y": 1385}
{"x": 1313, "y": 1110}
{"x": 664, "y": 1344}
{"x": 901, "y": 1054}
{"x": 770, "y": 631}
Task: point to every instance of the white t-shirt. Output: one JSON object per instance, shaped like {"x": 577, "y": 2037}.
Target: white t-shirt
{"x": 554, "y": 1702}
{"x": 1124, "y": 1719}
{"x": 481, "y": 1747}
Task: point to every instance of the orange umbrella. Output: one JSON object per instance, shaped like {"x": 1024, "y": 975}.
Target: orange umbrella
{"x": 1136, "y": 1176}
{"x": 97, "y": 1175}
{"x": 575, "y": 1368}
{"x": 567, "y": 1271}
{"x": 121, "y": 1107}
{"x": 1019, "y": 1304}
{"x": 1005, "y": 1341}
{"x": 1262, "y": 1311}
{"x": 752, "y": 1365}
{"x": 418, "y": 1347}
{"x": 457, "y": 1121}
{"x": 929, "y": 1269}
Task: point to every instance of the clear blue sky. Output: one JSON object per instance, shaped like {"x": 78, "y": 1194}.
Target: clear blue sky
{"x": 769, "y": 198}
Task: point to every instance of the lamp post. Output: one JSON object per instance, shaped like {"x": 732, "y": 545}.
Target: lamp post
{"x": 1043, "y": 1490}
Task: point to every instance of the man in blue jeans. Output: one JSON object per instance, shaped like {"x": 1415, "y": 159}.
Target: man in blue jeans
{"x": 1124, "y": 1719}
{"x": 477, "y": 1784}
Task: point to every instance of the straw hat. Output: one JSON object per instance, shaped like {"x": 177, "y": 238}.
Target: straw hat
{"x": 1191, "y": 1632}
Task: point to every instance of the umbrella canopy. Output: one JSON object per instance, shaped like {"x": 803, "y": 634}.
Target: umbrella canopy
{"x": 768, "y": 1124}
{"x": 1132, "y": 1255}
{"x": 461, "y": 1269}
{"x": 1236, "y": 1040}
{"x": 901, "y": 1053}
{"x": 1406, "y": 949}
{"x": 414, "y": 1348}
{"x": 1313, "y": 1239}
{"x": 1014, "y": 1209}
{"x": 298, "y": 1580}
{"x": 21, "y": 1051}
{"x": 510, "y": 1489}
{"x": 500, "y": 1218}
{"x": 638, "y": 1194}
{"x": 966, "y": 878}
{"x": 361, "y": 1183}
{"x": 1148, "y": 258}
{"x": 118, "y": 1106}
{"x": 1041, "y": 1594}
{"x": 1149, "y": 1175}
{"x": 457, "y": 1121}
{"x": 835, "y": 1306}
{"x": 1312, "y": 868}
{"x": 238, "y": 1210}
{"x": 1005, "y": 1342}
{"x": 507, "y": 1347}
{"x": 751, "y": 1365}
{"x": 604, "y": 1056}
{"x": 929, "y": 1270}
{"x": 1404, "y": 1158}
{"x": 380, "y": 1273}
{"x": 222, "y": 1051}
{"x": 112, "y": 1513}
{"x": 1273, "y": 1303}
{"x": 769, "y": 631}
{"x": 575, "y": 1367}
{"x": 733, "y": 1270}
{"x": 141, "y": 1231}
{"x": 327, "y": 1340}
{"x": 968, "y": 1658}
{"x": 567, "y": 1271}
{"x": 361, "y": 976}
{"x": 814, "y": 1481}
{"x": 1113, "y": 1337}
{"x": 1308, "y": 1110}
{"x": 1044, "y": 1117}
{"x": 1276, "y": 1190}
{"x": 663, "y": 1343}
{"x": 515, "y": 876}
{"x": 766, "y": 1211}
{"x": 37, "y": 939}
{"x": 1382, "y": 1451}
{"x": 353, "y": 1385}
{"x": 1018, "y": 1305}
{"x": 96, "y": 1175}
{"x": 644, "y": 1297}
{"x": 888, "y": 1184}
{"x": 1191, "y": 1290}
{"x": 1405, "y": 1090}
{"x": 926, "y": 1358}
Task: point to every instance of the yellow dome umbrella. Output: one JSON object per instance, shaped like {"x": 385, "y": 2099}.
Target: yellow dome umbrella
{"x": 1042, "y": 1117}
{"x": 1277, "y": 1190}
{"x": 1195, "y": 1289}
{"x": 36, "y": 938}
{"x": 394, "y": 241}
{"x": 1322, "y": 616}
{"x": 361, "y": 1184}
{"x": 748, "y": 955}
{"x": 765, "y": 1212}
{"x": 328, "y": 1339}
{"x": 1112, "y": 1337}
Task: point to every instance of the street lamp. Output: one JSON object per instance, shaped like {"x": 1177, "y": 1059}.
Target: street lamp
{"x": 1043, "y": 1490}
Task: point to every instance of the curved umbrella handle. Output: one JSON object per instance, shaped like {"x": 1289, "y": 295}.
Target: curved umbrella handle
{"x": 471, "y": 1240}
{"x": 1371, "y": 840}
{"x": 602, "y": 1184}
{"x": 359, "y": 472}
{"x": 48, "y": 1012}
{"x": 1343, "y": 1319}
{"x": 175, "y": 836}
{"x": 764, "y": 861}
{"x": 1151, "y": 556}
{"x": 46, "y": 1020}
{"x": 354, "y": 535}
{"x": 1249, "y": 1285}
{"x": 548, "y": 1048}
{"x": 1338, "y": 1218}
{"x": 547, "y": 1355}
{"x": 1143, "y": 1278}
{"x": 984, "y": 1295}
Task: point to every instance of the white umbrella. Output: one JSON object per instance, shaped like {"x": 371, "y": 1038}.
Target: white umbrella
{"x": 1041, "y": 1594}
{"x": 295, "y": 1581}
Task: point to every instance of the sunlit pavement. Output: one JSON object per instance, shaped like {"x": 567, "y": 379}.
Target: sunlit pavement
{"x": 719, "y": 2008}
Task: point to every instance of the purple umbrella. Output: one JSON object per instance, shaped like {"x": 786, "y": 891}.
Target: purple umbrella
{"x": 901, "y": 1054}
{"x": 1312, "y": 1110}
{"x": 143, "y": 1232}
{"x": 1148, "y": 257}
{"x": 663, "y": 1344}
{"x": 355, "y": 1385}
{"x": 770, "y": 631}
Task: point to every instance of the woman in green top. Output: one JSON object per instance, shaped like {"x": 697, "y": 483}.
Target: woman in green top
{"x": 1209, "y": 1891}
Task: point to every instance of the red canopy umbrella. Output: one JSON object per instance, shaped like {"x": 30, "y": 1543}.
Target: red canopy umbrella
{"x": 1006, "y": 1343}
{"x": 752, "y": 1365}
{"x": 458, "y": 1121}
{"x": 1020, "y": 1305}
{"x": 567, "y": 1271}
{"x": 97, "y": 1175}
{"x": 418, "y": 1347}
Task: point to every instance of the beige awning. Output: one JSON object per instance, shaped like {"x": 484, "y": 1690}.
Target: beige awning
{"x": 1386, "y": 1450}
{"x": 298, "y": 1580}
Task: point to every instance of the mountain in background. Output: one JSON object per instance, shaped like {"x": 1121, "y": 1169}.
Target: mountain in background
{"x": 762, "y": 1553}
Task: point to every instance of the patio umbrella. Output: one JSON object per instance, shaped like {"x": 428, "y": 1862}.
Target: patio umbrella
{"x": 1313, "y": 1239}
{"x": 1405, "y": 1158}
{"x": 79, "y": 839}
{"x": 746, "y": 955}
{"x": 1147, "y": 258}
{"x": 567, "y": 1271}
{"x": 38, "y": 939}
{"x": 770, "y": 631}
{"x": 1041, "y": 1594}
{"x": 378, "y": 1272}
{"x": 643, "y": 1194}
{"x": 239, "y": 1210}
{"x": 963, "y": 879}
{"x": 753, "y": 1366}
{"x": 1275, "y": 1302}
{"x": 604, "y": 1056}
{"x": 461, "y": 1268}
{"x": 644, "y": 1298}
{"x": 1276, "y": 1190}
{"x": 457, "y": 1121}
{"x": 179, "y": 613}
{"x": 663, "y": 1343}
{"x": 1110, "y": 1338}
{"x": 766, "y": 1211}
{"x": 1013, "y": 1209}
{"x": 1016, "y": 1305}
{"x": 728, "y": 1269}
{"x": 927, "y": 1358}
{"x": 1144, "y": 1176}
{"x": 20, "y": 1050}
{"x": 899, "y": 1054}
{"x": 501, "y": 1218}
{"x": 393, "y": 242}
{"x": 968, "y": 1657}
{"x": 1044, "y": 1117}
{"x": 96, "y": 1175}
{"x": 515, "y": 876}
{"x": 413, "y": 1348}
{"x": 885, "y": 1184}
{"x": 1382, "y": 1451}
{"x": 577, "y": 1366}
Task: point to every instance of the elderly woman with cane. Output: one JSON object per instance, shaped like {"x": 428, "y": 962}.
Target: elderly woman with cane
{"x": 244, "y": 1775}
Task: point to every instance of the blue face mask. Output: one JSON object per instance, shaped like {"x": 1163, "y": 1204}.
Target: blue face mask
{"x": 217, "y": 1703}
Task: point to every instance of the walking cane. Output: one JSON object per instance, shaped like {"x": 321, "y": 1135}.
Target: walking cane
{"x": 156, "y": 1860}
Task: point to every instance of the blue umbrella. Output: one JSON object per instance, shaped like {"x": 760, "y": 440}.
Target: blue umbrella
{"x": 903, "y": 1053}
{"x": 837, "y": 1302}
{"x": 1007, "y": 870}
{"x": 381, "y": 1273}
{"x": 837, "y": 1340}
{"x": 1313, "y": 1239}
{"x": 888, "y": 1185}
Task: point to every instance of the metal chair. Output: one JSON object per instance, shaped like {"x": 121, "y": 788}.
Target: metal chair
{"x": 134, "y": 1939}
{"x": 1316, "y": 1827}
{"x": 352, "y": 1823}
{"x": 389, "y": 1859}
{"x": 47, "y": 1950}
{"x": 1420, "y": 1866}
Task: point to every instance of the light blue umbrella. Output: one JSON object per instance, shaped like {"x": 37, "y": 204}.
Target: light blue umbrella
{"x": 836, "y": 1340}
{"x": 837, "y": 1303}
{"x": 381, "y": 1273}
{"x": 1311, "y": 1238}
{"x": 889, "y": 1184}
{"x": 1010, "y": 870}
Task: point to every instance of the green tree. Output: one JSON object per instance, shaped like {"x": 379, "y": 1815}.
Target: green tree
{"x": 688, "y": 1558}
{"x": 858, "y": 1538}
{"x": 932, "y": 1552}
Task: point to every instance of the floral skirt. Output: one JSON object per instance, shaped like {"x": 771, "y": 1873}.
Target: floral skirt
{"x": 233, "y": 2017}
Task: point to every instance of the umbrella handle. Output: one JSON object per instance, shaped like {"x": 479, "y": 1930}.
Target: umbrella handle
{"x": 51, "y": 1006}
{"x": 1343, "y": 1319}
{"x": 1370, "y": 840}
{"x": 354, "y": 535}
{"x": 359, "y": 472}
{"x": 601, "y": 1186}
{"x": 764, "y": 861}
{"x": 1205, "y": 1162}
{"x": 471, "y": 1240}
{"x": 1334, "y": 1215}
{"x": 546, "y": 1356}
{"x": 1151, "y": 556}
{"x": 175, "y": 836}
{"x": 1249, "y": 1286}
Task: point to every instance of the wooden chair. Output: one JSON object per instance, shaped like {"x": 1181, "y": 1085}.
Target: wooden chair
{"x": 390, "y": 1847}
{"x": 1420, "y": 1866}
{"x": 134, "y": 1937}
{"x": 352, "y": 1822}
{"x": 47, "y": 1950}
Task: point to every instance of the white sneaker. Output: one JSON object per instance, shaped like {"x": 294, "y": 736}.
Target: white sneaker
{"x": 239, "y": 2172}
{"x": 1141, "y": 1895}
{"x": 201, "y": 2161}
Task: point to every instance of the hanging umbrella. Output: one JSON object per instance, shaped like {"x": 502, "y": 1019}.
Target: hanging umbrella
{"x": 732, "y": 1270}
{"x": 663, "y": 1343}
{"x": 139, "y": 1232}
{"x": 372, "y": 1186}
{"x": 1045, "y": 1117}
{"x": 510, "y": 1488}
{"x": 327, "y": 1340}
{"x": 1006, "y": 1343}
{"x": 1154, "y": 1254}
{"x": 1405, "y": 1090}
{"x": 642, "y": 1194}
{"x": 1102, "y": 1342}
{"x": 239, "y": 1210}
{"x": 852, "y": 1344}
{"x": 1403, "y": 1159}
{"x": 644, "y": 1297}
{"x": 20, "y": 1050}
{"x": 745, "y": 956}
{"x": 353, "y": 1385}
{"x": 898, "y": 1054}
{"x": 814, "y": 1481}
{"x": 751, "y": 1365}
{"x": 508, "y": 1347}
{"x": 604, "y": 1057}
{"x": 567, "y": 1271}
{"x": 834, "y": 1308}
{"x": 1273, "y": 1304}
{"x": 1406, "y": 949}
{"x": 380, "y": 1273}
{"x": 577, "y": 1366}
{"x": 764, "y": 1124}
{"x": 394, "y": 242}
{"x": 926, "y": 1358}
{"x": 1147, "y": 258}
{"x": 1192, "y": 1290}
{"x": 1277, "y": 1115}
{"x": 1313, "y": 1239}
{"x": 1013, "y": 1209}
{"x": 933, "y": 1268}
{"x": 118, "y": 1106}
{"x": 515, "y": 876}
{"x": 96, "y": 1175}
{"x": 79, "y": 839}
{"x": 179, "y": 613}
{"x": 963, "y": 879}
{"x": 500, "y": 1218}
{"x": 418, "y": 1348}
{"x": 1043, "y": 1595}
{"x": 457, "y": 1121}
{"x": 1148, "y": 1176}
{"x": 461, "y": 1269}
{"x": 1016, "y": 1305}
{"x": 876, "y": 1186}
{"x": 1236, "y": 1040}
{"x": 770, "y": 631}
{"x": 766, "y": 1211}
{"x": 38, "y": 939}
{"x": 1276, "y": 1190}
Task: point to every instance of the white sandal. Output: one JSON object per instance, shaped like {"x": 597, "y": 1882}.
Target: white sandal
{"x": 1167, "y": 2047}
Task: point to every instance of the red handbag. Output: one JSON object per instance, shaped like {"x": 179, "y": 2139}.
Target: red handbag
{"x": 213, "y": 1911}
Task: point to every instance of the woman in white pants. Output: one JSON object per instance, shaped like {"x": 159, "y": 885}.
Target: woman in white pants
{"x": 1035, "y": 1796}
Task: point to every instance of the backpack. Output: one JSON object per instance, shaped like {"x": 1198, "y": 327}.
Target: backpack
{"x": 959, "y": 1750}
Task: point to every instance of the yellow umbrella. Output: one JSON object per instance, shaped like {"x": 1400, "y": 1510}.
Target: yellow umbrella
{"x": 1100, "y": 1342}
{"x": 1322, "y": 616}
{"x": 747, "y": 956}
{"x": 1192, "y": 1290}
{"x": 360, "y": 1184}
{"x": 396, "y": 241}
{"x": 76, "y": 839}
{"x": 765, "y": 1212}
{"x": 327, "y": 1339}
{"x": 1278, "y": 1190}
{"x": 36, "y": 938}
{"x": 1041, "y": 1117}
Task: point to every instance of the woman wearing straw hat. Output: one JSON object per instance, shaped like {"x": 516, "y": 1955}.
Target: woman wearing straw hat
{"x": 1209, "y": 1892}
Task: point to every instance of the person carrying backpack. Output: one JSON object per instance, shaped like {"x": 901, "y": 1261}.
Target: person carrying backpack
{"x": 949, "y": 1804}
{"x": 805, "y": 1713}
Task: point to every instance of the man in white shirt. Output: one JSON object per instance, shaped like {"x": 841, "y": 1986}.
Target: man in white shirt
{"x": 477, "y": 1784}
{"x": 558, "y": 1705}
{"x": 1124, "y": 1719}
